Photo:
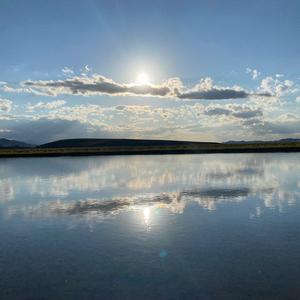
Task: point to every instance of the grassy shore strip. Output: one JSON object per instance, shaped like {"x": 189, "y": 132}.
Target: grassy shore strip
{"x": 217, "y": 148}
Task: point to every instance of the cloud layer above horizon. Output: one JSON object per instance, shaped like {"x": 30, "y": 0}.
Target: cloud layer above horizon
{"x": 226, "y": 112}
{"x": 172, "y": 88}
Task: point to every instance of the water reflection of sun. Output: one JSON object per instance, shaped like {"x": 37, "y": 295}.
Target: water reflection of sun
{"x": 147, "y": 215}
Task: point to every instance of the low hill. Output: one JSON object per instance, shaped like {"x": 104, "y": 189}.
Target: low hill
{"x": 288, "y": 140}
{"x": 79, "y": 143}
{"x": 5, "y": 143}
{"x": 80, "y": 147}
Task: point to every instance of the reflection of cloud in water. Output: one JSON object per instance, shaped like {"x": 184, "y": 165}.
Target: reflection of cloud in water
{"x": 218, "y": 193}
{"x": 135, "y": 173}
{"x": 169, "y": 181}
{"x": 6, "y": 190}
{"x": 175, "y": 202}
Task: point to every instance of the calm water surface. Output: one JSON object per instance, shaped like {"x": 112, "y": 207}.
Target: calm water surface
{"x": 220, "y": 226}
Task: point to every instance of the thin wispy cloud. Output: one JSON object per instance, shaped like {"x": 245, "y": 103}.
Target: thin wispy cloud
{"x": 22, "y": 90}
{"x": 253, "y": 72}
{"x": 67, "y": 70}
{"x": 46, "y": 105}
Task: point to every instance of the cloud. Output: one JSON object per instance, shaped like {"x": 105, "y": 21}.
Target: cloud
{"x": 46, "y": 105}
{"x": 197, "y": 121}
{"x": 275, "y": 86}
{"x": 67, "y": 70}
{"x": 171, "y": 88}
{"x": 85, "y": 70}
{"x": 205, "y": 89}
{"x": 132, "y": 121}
{"x": 254, "y": 73}
{"x": 5, "y": 105}
{"x": 96, "y": 85}
{"x": 20, "y": 90}
{"x": 44, "y": 130}
{"x": 236, "y": 111}
{"x": 281, "y": 126}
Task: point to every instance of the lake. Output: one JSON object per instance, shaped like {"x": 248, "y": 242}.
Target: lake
{"x": 212, "y": 226}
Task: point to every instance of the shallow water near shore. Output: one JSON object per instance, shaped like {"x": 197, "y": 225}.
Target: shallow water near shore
{"x": 213, "y": 226}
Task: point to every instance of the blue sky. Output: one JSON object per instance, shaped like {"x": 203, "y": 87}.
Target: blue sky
{"x": 212, "y": 70}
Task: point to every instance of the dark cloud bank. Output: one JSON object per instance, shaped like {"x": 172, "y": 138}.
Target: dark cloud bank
{"x": 172, "y": 88}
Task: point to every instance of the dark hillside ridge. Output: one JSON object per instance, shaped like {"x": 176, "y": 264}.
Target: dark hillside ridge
{"x": 83, "y": 147}
{"x": 78, "y": 143}
{"x": 288, "y": 140}
{"x": 5, "y": 143}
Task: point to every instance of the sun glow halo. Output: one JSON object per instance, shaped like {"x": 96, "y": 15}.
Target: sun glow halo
{"x": 142, "y": 79}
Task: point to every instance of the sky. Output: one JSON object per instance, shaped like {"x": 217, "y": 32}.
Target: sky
{"x": 185, "y": 70}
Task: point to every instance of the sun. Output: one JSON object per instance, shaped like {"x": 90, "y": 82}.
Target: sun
{"x": 142, "y": 78}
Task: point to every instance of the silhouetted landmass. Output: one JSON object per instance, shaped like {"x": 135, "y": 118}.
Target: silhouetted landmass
{"x": 77, "y": 147}
{"x": 289, "y": 140}
{"x": 119, "y": 143}
{"x": 5, "y": 143}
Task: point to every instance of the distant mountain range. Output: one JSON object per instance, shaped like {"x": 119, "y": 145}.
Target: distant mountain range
{"x": 5, "y": 143}
{"x": 78, "y": 143}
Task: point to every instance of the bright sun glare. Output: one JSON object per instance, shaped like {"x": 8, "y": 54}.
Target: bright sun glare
{"x": 142, "y": 78}
{"x": 146, "y": 214}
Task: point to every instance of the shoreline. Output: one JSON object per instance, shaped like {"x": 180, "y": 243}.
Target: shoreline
{"x": 97, "y": 151}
